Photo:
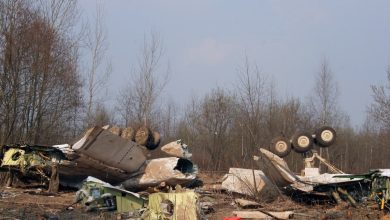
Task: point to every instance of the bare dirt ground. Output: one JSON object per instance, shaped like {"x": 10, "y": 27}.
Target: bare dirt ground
{"x": 19, "y": 203}
{"x": 225, "y": 206}
{"x": 35, "y": 203}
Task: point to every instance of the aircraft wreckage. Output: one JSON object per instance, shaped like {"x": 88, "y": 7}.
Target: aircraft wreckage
{"x": 103, "y": 154}
{"x": 337, "y": 185}
{"x": 115, "y": 164}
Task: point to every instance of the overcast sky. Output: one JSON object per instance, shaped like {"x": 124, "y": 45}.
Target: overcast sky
{"x": 205, "y": 42}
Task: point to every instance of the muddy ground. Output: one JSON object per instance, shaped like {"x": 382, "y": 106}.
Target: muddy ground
{"x": 35, "y": 203}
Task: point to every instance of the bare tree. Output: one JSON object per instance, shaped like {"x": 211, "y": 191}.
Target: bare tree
{"x": 380, "y": 109}
{"x": 138, "y": 102}
{"x": 252, "y": 93}
{"x": 209, "y": 124}
{"x": 100, "y": 116}
{"x": 38, "y": 72}
{"x": 324, "y": 99}
{"x": 168, "y": 119}
{"x": 99, "y": 70}
{"x": 324, "y": 106}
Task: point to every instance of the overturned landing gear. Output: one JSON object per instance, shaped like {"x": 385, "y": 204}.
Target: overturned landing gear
{"x": 280, "y": 146}
{"x": 303, "y": 142}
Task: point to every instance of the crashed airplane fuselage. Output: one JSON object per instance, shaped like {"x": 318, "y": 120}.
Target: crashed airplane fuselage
{"x": 101, "y": 154}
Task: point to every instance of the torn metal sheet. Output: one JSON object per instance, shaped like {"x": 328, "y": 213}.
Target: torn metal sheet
{"x": 177, "y": 149}
{"x": 250, "y": 182}
{"x": 174, "y": 206}
{"x": 171, "y": 170}
{"x": 99, "y": 195}
{"x": 325, "y": 178}
{"x": 13, "y": 157}
{"x": 102, "y": 154}
{"x": 110, "y": 149}
{"x": 72, "y": 175}
{"x": 64, "y": 148}
{"x": 31, "y": 160}
{"x": 277, "y": 169}
{"x": 379, "y": 185}
{"x": 282, "y": 176}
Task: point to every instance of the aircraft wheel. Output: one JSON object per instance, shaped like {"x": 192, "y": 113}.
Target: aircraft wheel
{"x": 302, "y": 142}
{"x": 280, "y": 146}
{"x": 325, "y": 136}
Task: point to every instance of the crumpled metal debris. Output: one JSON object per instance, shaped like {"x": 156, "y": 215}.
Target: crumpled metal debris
{"x": 280, "y": 174}
{"x": 110, "y": 149}
{"x": 32, "y": 161}
{"x": 171, "y": 170}
{"x": 177, "y": 149}
{"x": 99, "y": 195}
{"x": 104, "y": 155}
{"x": 251, "y": 183}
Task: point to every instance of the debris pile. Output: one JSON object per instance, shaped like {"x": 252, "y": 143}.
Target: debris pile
{"x": 251, "y": 183}
{"x": 113, "y": 173}
{"x": 97, "y": 195}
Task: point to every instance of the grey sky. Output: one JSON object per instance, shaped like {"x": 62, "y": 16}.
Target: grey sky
{"x": 205, "y": 42}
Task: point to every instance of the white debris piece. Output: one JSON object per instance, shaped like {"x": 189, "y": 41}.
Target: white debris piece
{"x": 385, "y": 172}
{"x": 171, "y": 170}
{"x": 65, "y": 148}
{"x": 250, "y": 182}
{"x": 177, "y": 149}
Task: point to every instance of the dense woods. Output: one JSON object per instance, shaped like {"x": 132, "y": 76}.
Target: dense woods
{"x": 47, "y": 98}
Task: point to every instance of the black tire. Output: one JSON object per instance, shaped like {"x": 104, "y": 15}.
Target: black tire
{"x": 302, "y": 142}
{"x": 156, "y": 141}
{"x": 280, "y": 146}
{"x": 325, "y": 136}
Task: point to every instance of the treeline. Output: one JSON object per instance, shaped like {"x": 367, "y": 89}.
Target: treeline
{"x": 226, "y": 127}
{"x": 40, "y": 84}
{"x": 49, "y": 96}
